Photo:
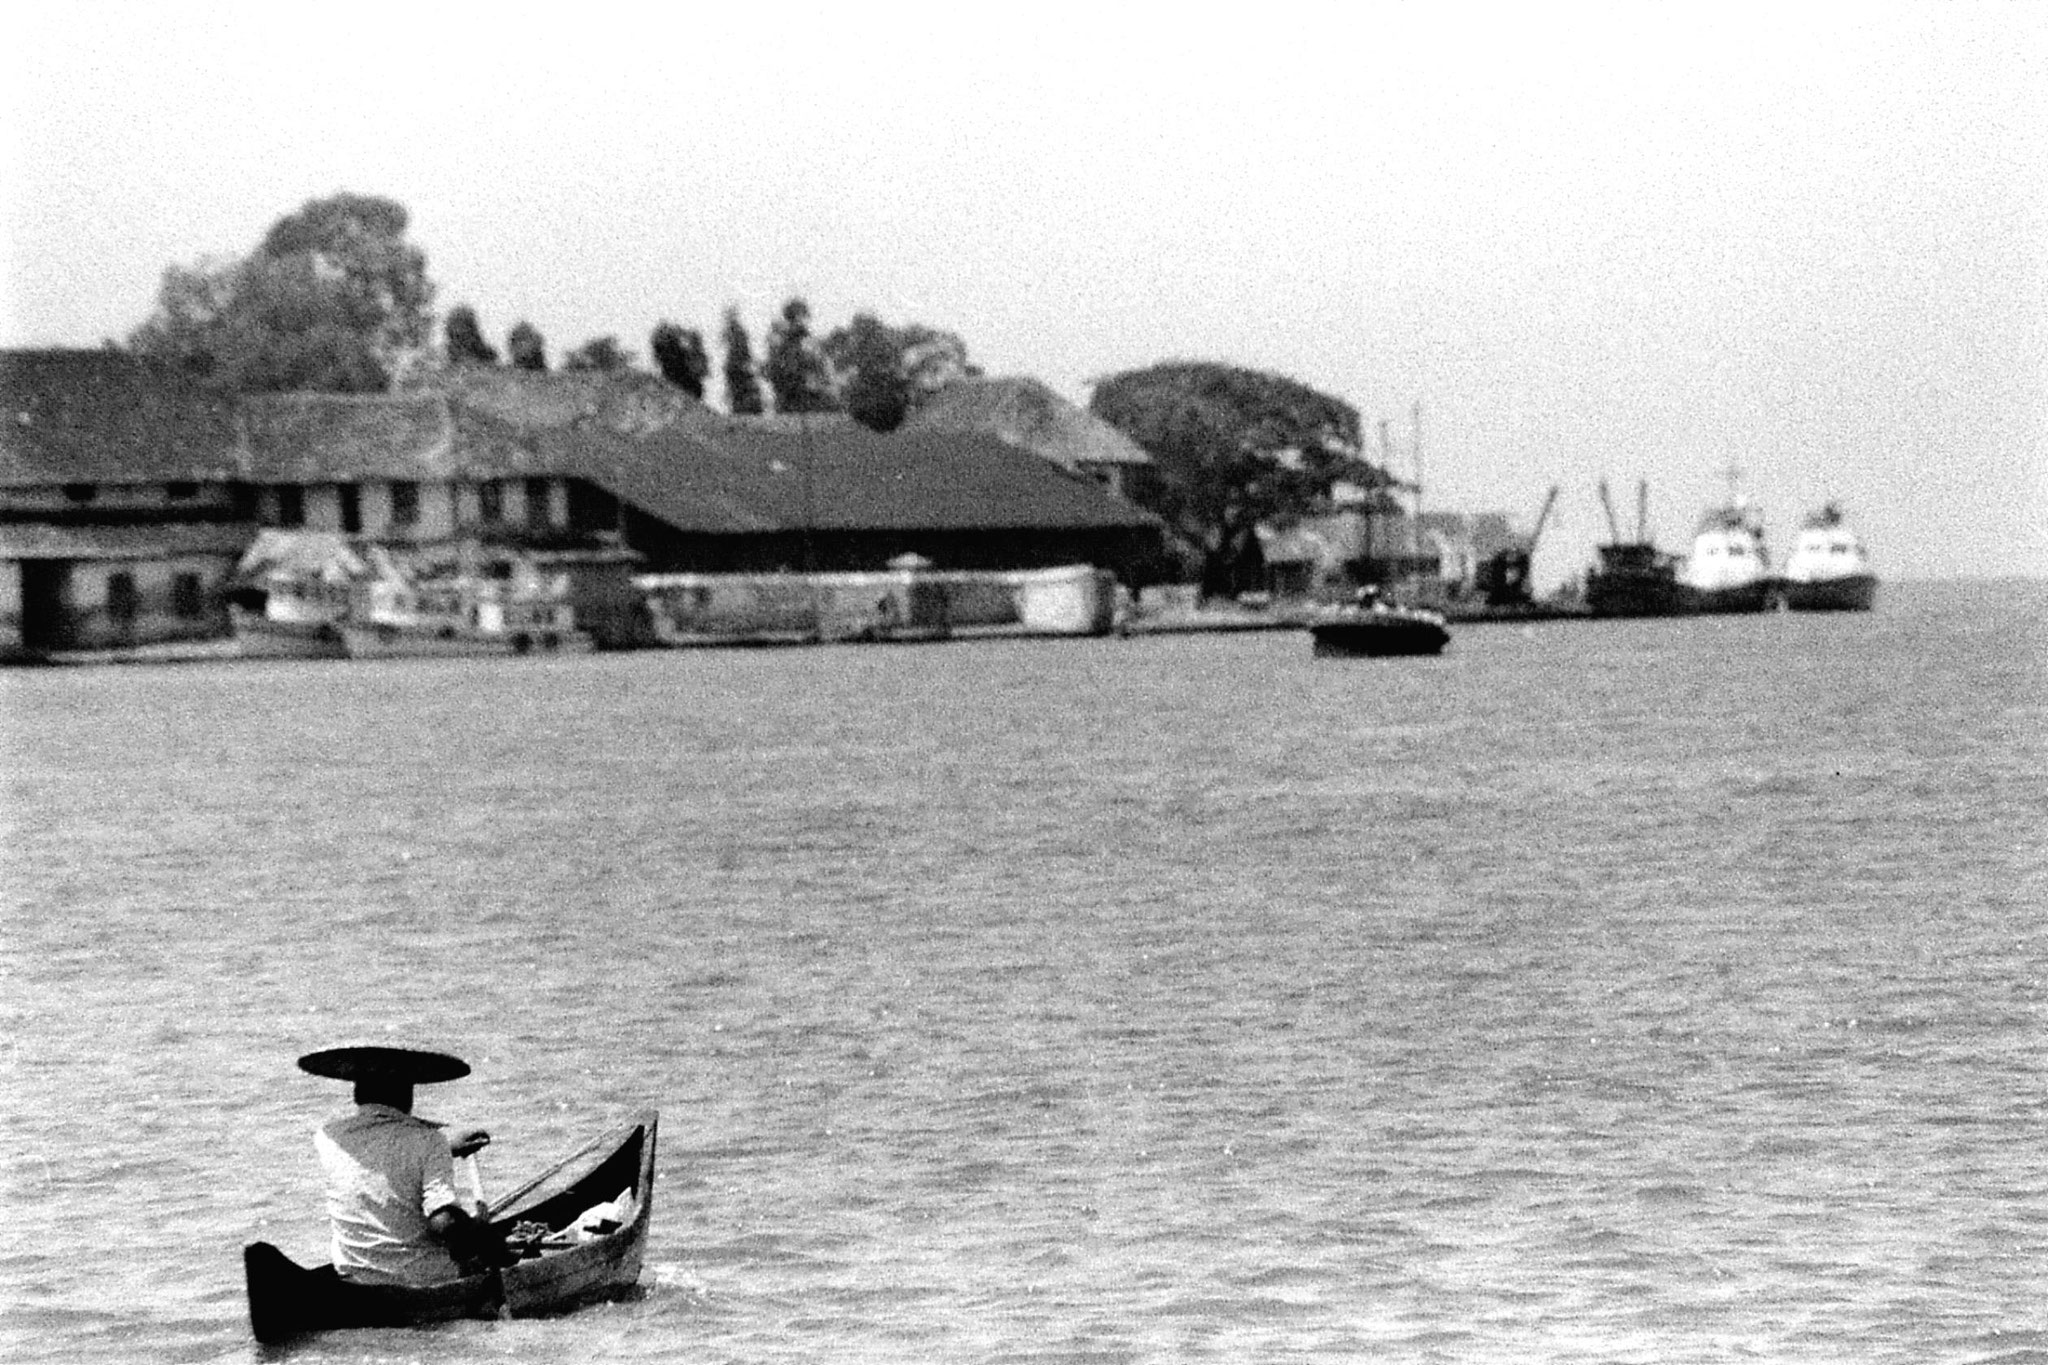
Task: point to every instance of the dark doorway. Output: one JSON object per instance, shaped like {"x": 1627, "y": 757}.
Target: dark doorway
{"x": 45, "y": 584}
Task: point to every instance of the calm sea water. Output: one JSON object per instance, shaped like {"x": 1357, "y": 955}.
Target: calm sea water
{"x": 1635, "y": 991}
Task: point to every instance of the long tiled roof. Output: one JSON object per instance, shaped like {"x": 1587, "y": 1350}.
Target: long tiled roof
{"x": 106, "y": 417}
{"x": 327, "y": 437}
{"x": 842, "y": 479}
{"x": 330, "y": 438}
{"x": 677, "y": 477}
{"x": 773, "y": 423}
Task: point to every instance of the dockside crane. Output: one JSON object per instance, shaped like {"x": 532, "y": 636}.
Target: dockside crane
{"x": 1504, "y": 577}
{"x": 1607, "y": 506}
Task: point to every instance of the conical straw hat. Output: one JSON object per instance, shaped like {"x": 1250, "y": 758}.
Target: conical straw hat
{"x": 377, "y": 1061}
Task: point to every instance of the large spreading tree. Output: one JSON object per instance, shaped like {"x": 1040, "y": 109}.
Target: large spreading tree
{"x": 887, "y": 373}
{"x": 1233, "y": 448}
{"x": 334, "y": 298}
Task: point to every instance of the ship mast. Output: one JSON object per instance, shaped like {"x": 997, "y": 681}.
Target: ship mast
{"x": 810, "y": 514}
{"x": 1415, "y": 418}
{"x": 1393, "y": 490}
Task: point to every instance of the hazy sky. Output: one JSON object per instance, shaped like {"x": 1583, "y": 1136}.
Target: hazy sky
{"x": 1646, "y": 242}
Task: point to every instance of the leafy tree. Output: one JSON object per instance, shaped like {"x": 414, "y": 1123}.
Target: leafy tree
{"x": 890, "y": 372}
{"x": 1234, "y": 448}
{"x": 464, "y": 337}
{"x": 742, "y": 384}
{"x": 526, "y": 346}
{"x": 601, "y": 354}
{"x": 192, "y": 315}
{"x": 796, "y": 369}
{"x": 334, "y": 298}
{"x": 680, "y": 356}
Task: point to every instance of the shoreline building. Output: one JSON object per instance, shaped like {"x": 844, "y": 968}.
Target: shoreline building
{"x": 122, "y": 510}
{"x": 1440, "y": 557}
{"x": 129, "y": 492}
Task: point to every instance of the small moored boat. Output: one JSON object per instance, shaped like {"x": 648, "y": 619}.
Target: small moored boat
{"x": 290, "y": 590}
{"x": 259, "y": 635}
{"x": 461, "y": 614}
{"x": 579, "y": 1230}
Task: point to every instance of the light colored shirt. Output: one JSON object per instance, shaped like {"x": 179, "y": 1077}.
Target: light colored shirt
{"x": 386, "y": 1173}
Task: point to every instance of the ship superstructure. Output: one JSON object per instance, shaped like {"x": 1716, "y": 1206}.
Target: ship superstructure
{"x": 1828, "y": 568}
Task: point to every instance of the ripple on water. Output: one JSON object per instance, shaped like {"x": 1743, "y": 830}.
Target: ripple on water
{"x": 1528, "y": 1009}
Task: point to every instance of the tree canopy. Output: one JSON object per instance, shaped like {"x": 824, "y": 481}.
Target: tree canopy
{"x": 527, "y": 347}
{"x": 334, "y": 298}
{"x": 742, "y": 383}
{"x": 796, "y": 369}
{"x": 462, "y": 335}
{"x": 887, "y": 373}
{"x": 602, "y": 354}
{"x": 680, "y": 356}
{"x": 1234, "y": 447}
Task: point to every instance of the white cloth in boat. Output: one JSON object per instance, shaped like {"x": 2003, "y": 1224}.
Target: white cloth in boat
{"x": 387, "y": 1171}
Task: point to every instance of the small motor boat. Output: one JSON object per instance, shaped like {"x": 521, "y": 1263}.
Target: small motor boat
{"x": 1376, "y": 628}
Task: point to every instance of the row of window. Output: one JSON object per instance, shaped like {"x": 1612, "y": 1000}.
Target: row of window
{"x": 405, "y": 501}
{"x": 405, "y": 504}
{"x": 178, "y": 490}
{"x": 124, "y": 602}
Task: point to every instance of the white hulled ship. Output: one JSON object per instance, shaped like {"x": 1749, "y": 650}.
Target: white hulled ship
{"x": 1828, "y": 569}
{"x": 1727, "y": 568}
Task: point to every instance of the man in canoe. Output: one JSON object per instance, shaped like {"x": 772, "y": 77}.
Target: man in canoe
{"x": 391, "y": 1176}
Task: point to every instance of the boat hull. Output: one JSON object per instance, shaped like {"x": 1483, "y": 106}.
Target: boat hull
{"x": 1379, "y": 635}
{"x": 1732, "y": 598}
{"x": 1633, "y": 595}
{"x": 259, "y": 637}
{"x": 1857, "y": 592}
{"x": 1631, "y": 578}
{"x": 379, "y": 641}
{"x": 288, "y": 1301}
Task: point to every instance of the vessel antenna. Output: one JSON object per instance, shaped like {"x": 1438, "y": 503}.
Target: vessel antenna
{"x": 1734, "y": 476}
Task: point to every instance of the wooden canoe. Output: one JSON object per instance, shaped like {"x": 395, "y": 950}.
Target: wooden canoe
{"x": 568, "y": 1269}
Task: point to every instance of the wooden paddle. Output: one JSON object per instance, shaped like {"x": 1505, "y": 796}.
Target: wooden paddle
{"x": 468, "y": 1146}
{"x": 473, "y": 1169}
